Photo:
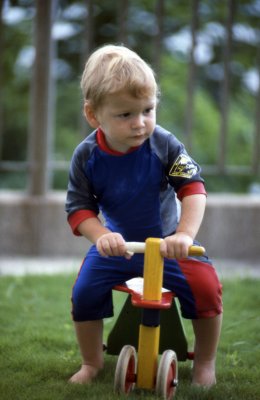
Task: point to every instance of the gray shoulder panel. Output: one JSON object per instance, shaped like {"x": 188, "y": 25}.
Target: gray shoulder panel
{"x": 79, "y": 193}
{"x": 180, "y": 168}
{"x": 85, "y": 148}
{"x": 165, "y": 145}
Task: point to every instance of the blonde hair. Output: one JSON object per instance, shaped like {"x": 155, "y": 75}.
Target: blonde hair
{"x": 111, "y": 69}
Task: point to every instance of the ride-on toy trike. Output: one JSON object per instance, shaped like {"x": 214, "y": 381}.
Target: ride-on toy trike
{"x": 158, "y": 309}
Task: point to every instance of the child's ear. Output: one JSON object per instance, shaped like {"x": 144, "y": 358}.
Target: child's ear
{"x": 90, "y": 115}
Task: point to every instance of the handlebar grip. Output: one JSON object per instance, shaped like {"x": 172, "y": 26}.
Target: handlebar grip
{"x": 197, "y": 251}
{"x": 135, "y": 247}
{"x": 139, "y": 247}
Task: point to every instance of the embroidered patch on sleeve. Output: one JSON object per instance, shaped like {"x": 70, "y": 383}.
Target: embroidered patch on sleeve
{"x": 183, "y": 167}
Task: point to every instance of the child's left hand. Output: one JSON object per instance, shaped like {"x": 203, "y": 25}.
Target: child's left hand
{"x": 176, "y": 246}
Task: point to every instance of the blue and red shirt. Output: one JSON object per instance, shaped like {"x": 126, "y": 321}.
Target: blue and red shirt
{"x": 135, "y": 191}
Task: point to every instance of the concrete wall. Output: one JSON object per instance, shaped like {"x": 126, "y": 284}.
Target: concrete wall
{"x": 231, "y": 227}
{"x": 38, "y": 227}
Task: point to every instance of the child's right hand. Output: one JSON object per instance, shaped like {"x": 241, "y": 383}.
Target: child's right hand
{"x": 112, "y": 244}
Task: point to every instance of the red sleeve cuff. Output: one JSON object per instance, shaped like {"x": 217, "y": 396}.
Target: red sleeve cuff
{"x": 79, "y": 216}
{"x": 190, "y": 189}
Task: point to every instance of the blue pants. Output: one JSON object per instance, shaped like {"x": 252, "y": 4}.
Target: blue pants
{"x": 193, "y": 280}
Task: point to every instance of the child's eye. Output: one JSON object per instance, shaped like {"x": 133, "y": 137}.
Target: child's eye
{"x": 124, "y": 115}
{"x": 148, "y": 110}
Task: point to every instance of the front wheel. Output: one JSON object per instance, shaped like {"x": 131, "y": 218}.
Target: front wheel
{"x": 125, "y": 374}
{"x": 167, "y": 375}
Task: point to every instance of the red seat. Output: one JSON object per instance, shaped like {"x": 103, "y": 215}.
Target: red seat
{"x": 138, "y": 301}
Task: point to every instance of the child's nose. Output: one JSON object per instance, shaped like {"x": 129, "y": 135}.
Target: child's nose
{"x": 138, "y": 121}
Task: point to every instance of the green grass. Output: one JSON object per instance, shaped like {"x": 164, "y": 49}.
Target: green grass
{"x": 38, "y": 350}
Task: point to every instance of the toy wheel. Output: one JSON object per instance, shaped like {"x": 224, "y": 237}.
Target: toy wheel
{"x": 125, "y": 375}
{"x": 167, "y": 375}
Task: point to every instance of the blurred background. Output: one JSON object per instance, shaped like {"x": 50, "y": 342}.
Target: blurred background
{"x": 206, "y": 54}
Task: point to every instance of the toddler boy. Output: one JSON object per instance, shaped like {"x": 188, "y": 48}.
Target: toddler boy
{"x": 131, "y": 170}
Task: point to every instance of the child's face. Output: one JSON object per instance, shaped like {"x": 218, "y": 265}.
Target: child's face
{"x": 127, "y": 121}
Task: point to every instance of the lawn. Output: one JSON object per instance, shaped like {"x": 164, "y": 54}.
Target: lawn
{"x": 38, "y": 351}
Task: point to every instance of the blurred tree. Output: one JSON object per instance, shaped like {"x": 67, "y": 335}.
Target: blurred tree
{"x": 122, "y": 17}
{"x": 224, "y": 105}
{"x": 256, "y": 150}
{"x": 191, "y": 76}
{"x": 87, "y": 46}
{"x": 158, "y": 40}
{"x": 1, "y": 78}
{"x": 42, "y": 101}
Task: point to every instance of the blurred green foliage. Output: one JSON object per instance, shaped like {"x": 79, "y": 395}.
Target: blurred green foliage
{"x": 70, "y": 127}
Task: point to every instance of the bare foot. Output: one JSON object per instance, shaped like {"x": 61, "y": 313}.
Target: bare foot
{"x": 204, "y": 375}
{"x": 85, "y": 375}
